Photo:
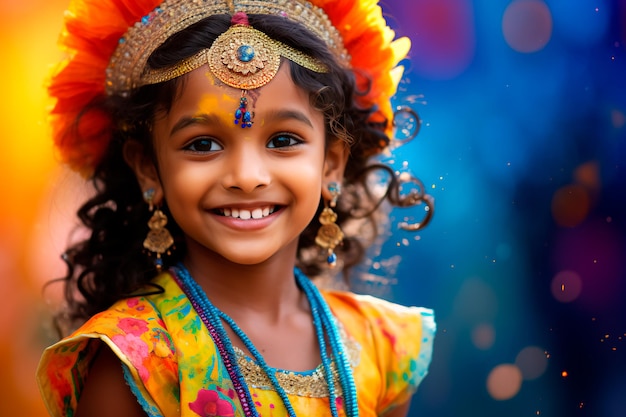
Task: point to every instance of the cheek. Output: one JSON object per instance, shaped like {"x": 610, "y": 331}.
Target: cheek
{"x": 306, "y": 178}
{"x": 184, "y": 184}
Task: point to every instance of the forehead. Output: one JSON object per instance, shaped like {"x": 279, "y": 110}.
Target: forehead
{"x": 202, "y": 93}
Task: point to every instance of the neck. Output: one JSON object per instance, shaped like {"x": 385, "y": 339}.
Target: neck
{"x": 268, "y": 288}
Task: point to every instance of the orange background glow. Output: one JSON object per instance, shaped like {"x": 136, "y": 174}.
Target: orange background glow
{"x": 29, "y": 185}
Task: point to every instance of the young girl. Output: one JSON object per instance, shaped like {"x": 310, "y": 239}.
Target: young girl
{"x": 228, "y": 143}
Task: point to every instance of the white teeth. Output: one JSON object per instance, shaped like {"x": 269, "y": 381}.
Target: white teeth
{"x": 244, "y": 214}
{"x": 257, "y": 213}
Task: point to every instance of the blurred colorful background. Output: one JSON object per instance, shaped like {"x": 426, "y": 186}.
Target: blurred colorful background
{"x": 523, "y": 147}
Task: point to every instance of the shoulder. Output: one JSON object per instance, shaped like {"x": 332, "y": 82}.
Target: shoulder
{"x": 131, "y": 333}
{"x": 372, "y": 311}
{"x": 107, "y": 381}
{"x": 127, "y": 324}
{"x": 396, "y": 344}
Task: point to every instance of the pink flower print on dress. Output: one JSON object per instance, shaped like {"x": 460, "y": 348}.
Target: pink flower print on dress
{"x": 136, "y": 350}
{"x": 133, "y": 326}
{"x": 134, "y": 304}
{"x": 210, "y": 403}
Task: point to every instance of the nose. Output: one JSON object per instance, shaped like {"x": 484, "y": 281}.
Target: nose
{"x": 247, "y": 169}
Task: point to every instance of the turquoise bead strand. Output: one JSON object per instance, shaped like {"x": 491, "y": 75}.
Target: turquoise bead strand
{"x": 271, "y": 373}
{"x": 206, "y": 312}
{"x": 324, "y": 324}
{"x": 344, "y": 368}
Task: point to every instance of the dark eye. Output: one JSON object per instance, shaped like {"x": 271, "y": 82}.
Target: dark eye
{"x": 282, "y": 141}
{"x": 203, "y": 145}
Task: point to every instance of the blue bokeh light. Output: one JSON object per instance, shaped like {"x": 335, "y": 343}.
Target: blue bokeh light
{"x": 505, "y": 131}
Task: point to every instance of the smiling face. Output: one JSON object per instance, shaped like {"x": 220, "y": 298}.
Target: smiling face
{"x": 244, "y": 195}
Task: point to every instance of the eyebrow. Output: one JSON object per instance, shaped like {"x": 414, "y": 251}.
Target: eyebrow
{"x": 288, "y": 114}
{"x": 202, "y": 119}
{"x": 208, "y": 119}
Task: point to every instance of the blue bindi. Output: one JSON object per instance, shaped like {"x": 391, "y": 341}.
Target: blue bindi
{"x": 245, "y": 53}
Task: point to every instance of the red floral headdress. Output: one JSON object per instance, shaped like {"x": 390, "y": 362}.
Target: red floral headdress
{"x": 108, "y": 41}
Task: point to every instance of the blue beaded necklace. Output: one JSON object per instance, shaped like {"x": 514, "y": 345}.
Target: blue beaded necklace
{"x": 323, "y": 321}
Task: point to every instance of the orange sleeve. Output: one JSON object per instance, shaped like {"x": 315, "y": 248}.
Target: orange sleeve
{"x": 396, "y": 347}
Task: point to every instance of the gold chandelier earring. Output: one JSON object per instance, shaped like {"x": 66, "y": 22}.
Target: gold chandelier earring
{"x": 329, "y": 234}
{"x": 159, "y": 239}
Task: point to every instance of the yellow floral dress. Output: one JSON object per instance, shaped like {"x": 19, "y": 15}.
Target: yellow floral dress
{"x": 174, "y": 369}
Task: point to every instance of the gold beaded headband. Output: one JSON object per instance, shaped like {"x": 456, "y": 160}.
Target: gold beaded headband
{"x": 127, "y": 67}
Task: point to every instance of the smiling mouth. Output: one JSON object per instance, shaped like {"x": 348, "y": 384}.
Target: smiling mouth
{"x": 245, "y": 214}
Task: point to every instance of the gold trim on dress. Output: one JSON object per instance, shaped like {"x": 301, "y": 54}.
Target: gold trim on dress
{"x": 295, "y": 383}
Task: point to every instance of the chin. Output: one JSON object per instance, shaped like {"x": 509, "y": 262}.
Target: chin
{"x": 247, "y": 260}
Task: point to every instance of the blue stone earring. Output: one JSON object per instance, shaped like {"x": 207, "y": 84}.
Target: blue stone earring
{"x": 329, "y": 234}
{"x": 159, "y": 240}
{"x": 335, "y": 191}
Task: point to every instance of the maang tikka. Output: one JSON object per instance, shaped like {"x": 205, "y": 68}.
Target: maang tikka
{"x": 329, "y": 235}
{"x": 159, "y": 239}
{"x": 243, "y": 115}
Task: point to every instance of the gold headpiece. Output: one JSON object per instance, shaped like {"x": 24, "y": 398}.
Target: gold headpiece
{"x": 242, "y": 57}
{"x": 110, "y": 41}
{"x": 126, "y": 70}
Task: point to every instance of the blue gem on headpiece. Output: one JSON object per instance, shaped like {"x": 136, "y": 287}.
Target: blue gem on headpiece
{"x": 245, "y": 53}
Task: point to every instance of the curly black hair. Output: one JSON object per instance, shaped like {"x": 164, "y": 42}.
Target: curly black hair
{"x": 112, "y": 264}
